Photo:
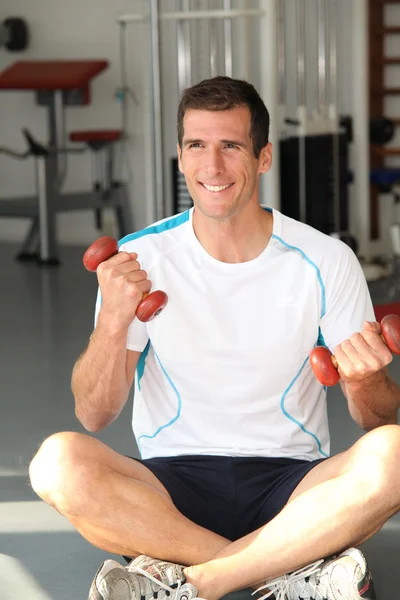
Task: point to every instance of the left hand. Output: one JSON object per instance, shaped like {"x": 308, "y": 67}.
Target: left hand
{"x": 363, "y": 355}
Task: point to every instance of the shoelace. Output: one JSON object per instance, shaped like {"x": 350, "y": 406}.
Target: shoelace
{"x": 282, "y": 585}
{"x": 146, "y": 586}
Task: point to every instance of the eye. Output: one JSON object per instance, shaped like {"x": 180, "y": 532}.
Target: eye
{"x": 230, "y": 146}
{"x": 195, "y": 145}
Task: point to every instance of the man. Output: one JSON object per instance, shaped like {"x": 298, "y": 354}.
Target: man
{"x": 235, "y": 487}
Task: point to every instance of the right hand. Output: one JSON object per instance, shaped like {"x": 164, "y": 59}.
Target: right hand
{"x": 122, "y": 285}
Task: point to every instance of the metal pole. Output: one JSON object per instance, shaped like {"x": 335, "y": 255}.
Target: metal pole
{"x": 44, "y": 223}
{"x": 281, "y": 50}
{"x": 49, "y": 179}
{"x": 188, "y": 46}
{"x": 184, "y": 50}
{"x": 158, "y": 180}
{"x": 270, "y": 182}
{"x": 228, "y": 40}
{"x": 124, "y": 78}
{"x": 196, "y": 14}
{"x": 300, "y": 51}
{"x": 322, "y": 62}
{"x": 213, "y": 49}
{"x": 210, "y": 14}
{"x": 180, "y": 44}
{"x": 281, "y": 59}
{"x": 332, "y": 87}
{"x": 333, "y": 113}
{"x": 301, "y": 105}
{"x": 360, "y": 122}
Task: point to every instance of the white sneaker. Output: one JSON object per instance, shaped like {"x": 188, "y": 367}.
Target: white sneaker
{"x": 345, "y": 577}
{"x": 144, "y": 578}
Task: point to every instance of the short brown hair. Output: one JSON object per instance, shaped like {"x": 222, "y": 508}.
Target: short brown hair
{"x": 225, "y": 93}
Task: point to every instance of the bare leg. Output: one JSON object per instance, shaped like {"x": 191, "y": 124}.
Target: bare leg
{"x": 116, "y": 503}
{"x": 340, "y": 503}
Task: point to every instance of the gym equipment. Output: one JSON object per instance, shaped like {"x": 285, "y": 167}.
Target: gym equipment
{"x": 184, "y": 20}
{"x": 383, "y": 179}
{"x": 314, "y": 146}
{"x": 57, "y": 85}
{"x": 325, "y": 365}
{"x": 103, "y": 249}
{"x": 14, "y": 34}
{"x": 381, "y": 130}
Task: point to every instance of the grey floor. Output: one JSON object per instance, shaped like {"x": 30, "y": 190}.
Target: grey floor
{"x": 46, "y": 318}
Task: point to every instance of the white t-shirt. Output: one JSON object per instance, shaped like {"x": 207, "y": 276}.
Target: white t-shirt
{"x": 224, "y": 368}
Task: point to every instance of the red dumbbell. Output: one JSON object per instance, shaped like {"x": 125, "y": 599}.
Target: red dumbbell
{"x": 325, "y": 365}
{"x": 103, "y": 249}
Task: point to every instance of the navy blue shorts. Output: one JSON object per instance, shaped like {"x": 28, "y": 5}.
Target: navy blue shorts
{"x": 231, "y": 496}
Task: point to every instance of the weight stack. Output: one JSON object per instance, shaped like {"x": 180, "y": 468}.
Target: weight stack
{"x": 181, "y": 199}
{"x": 319, "y": 180}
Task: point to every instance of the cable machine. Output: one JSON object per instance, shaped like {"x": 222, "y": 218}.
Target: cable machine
{"x": 314, "y": 144}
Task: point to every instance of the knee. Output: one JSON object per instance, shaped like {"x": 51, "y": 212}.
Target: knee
{"x": 378, "y": 460}
{"x": 58, "y": 468}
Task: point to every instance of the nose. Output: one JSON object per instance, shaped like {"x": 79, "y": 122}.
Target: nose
{"x": 214, "y": 163}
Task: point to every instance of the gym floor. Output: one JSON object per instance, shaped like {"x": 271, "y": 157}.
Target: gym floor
{"x": 46, "y": 320}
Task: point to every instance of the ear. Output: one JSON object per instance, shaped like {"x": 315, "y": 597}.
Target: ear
{"x": 179, "y": 151}
{"x": 265, "y": 160}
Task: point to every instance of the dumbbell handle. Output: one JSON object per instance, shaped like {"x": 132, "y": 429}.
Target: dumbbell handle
{"x": 104, "y": 248}
{"x": 325, "y": 365}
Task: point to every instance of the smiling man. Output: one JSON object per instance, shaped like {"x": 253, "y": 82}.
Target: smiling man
{"x": 222, "y": 166}
{"x": 235, "y": 486}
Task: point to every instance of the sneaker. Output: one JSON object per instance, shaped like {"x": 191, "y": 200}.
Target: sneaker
{"x": 345, "y": 577}
{"x": 144, "y": 578}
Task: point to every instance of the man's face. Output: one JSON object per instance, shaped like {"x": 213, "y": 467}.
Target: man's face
{"x": 218, "y": 163}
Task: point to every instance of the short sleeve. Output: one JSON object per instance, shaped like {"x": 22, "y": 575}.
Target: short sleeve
{"x": 348, "y": 301}
{"x": 137, "y": 336}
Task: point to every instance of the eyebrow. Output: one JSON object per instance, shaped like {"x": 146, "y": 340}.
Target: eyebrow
{"x": 191, "y": 141}
{"x": 198, "y": 141}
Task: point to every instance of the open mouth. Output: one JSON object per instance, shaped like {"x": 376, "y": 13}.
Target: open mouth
{"x": 216, "y": 188}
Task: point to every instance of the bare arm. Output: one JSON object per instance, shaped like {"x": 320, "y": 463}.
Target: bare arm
{"x": 374, "y": 401}
{"x": 103, "y": 374}
{"x": 102, "y": 378}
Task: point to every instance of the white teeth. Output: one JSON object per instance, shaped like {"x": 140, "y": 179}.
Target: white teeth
{"x": 216, "y": 188}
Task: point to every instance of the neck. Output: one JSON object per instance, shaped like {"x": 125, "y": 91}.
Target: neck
{"x": 239, "y": 238}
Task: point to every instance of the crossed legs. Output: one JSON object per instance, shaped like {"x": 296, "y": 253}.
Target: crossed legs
{"x": 118, "y": 505}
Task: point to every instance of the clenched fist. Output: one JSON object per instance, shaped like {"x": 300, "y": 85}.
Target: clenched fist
{"x": 363, "y": 354}
{"x": 122, "y": 285}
